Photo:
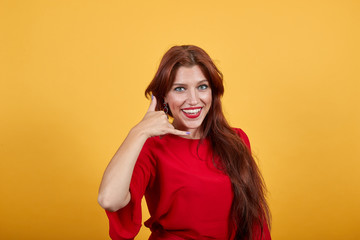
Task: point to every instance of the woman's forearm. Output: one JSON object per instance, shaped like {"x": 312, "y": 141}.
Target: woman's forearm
{"x": 114, "y": 188}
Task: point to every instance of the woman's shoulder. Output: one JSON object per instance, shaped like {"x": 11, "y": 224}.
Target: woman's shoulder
{"x": 239, "y": 132}
{"x": 168, "y": 141}
{"x": 242, "y": 135}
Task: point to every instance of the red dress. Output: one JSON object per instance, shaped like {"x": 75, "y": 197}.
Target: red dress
{"x": 187, "y": 196}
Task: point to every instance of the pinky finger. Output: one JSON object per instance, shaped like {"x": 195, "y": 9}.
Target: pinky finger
{"x": 178, "y": 132}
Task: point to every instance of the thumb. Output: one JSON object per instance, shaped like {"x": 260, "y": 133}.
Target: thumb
{"x": 152, "y": 104}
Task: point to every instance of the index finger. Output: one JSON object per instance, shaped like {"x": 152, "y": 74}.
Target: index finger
{"x": 152, "y": 104}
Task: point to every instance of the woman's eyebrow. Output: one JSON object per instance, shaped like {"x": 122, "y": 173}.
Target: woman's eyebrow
{"x": 202, "y": 81}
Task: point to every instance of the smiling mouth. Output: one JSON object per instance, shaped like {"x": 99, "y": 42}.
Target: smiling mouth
{"x": 192, "y": 112}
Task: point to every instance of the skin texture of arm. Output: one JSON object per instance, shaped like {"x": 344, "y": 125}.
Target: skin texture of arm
{"x": 114, "y": 188}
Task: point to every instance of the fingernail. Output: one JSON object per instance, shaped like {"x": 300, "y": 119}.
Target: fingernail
{"x": 152, "y": 97}
{"x": 188, "y": 133}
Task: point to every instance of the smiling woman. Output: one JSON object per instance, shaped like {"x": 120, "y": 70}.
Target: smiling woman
{"x": 198, "y": 175}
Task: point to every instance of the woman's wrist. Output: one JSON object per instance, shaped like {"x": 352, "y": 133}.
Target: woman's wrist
{"x": 138, "y": 132}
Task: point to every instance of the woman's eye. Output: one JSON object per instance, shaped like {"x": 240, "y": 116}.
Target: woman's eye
{"x": 203, "y": 87}
{"x": 179, "y": 89}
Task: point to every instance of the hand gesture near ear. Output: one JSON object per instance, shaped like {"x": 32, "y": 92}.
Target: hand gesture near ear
{"x": 156, "y": 123}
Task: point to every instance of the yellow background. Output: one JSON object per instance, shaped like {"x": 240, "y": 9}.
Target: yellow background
{"x": 73, "y": 75}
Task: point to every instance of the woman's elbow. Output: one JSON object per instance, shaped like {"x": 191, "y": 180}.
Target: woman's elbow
{"x": 112, "y": 205}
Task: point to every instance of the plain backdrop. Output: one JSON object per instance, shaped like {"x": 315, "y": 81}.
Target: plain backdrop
{"x": 73, "y": 75}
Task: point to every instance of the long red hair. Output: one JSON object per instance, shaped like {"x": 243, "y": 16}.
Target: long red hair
{"x": 249, "y": 206}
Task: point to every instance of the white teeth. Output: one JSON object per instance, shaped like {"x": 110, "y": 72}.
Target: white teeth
{"x": 192, "y": 111}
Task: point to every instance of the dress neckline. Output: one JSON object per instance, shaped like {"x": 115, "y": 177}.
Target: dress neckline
{"x": 185, "y": 139}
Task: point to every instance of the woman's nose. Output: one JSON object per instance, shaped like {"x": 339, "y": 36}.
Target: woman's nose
{"x": 193, "y": 97}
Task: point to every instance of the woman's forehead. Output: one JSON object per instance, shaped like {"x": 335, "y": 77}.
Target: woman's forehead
{"x": 188, "y": 75}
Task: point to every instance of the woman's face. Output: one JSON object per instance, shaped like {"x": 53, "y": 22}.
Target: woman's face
{"x": 189, "y": 99}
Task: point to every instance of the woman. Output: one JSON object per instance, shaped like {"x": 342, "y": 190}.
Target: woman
{"x": 198, "y": 176}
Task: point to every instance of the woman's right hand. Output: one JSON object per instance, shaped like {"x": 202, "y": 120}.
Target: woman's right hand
{"x": 156, "y": 123}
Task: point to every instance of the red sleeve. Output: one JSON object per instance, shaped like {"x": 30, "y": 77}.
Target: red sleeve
{"x": 126, "y": 222}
